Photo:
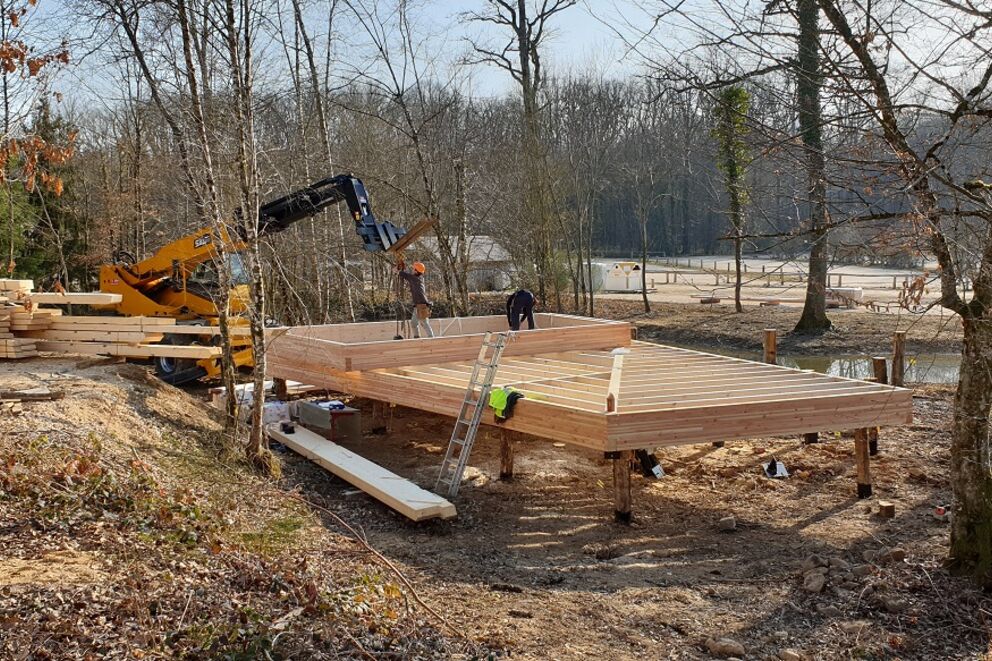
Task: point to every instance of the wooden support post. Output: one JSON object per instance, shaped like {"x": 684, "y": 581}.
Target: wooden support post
{"x": 898, "y": 358}
{"x": 621, "y": 485}
{"x": 840, "y": 280}
{"x": 811, "y": 437}
{"x": 771, "y": 346}
{"x": 613, "y": 390}
{"x": 280, "y": 389}
{"x": 893, "y": 282}
{"x": 873, "y": 441}
{"x": 862, "y": 462}
{"x": 377, "y": 423}
{"x": 879, "y": 369}
{"x": 505, "y": 455}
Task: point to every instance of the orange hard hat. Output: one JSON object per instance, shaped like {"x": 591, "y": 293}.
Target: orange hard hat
{"x": 419, "y": 267}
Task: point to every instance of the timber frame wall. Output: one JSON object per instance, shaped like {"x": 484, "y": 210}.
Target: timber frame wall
{"x": 368, "y": 346}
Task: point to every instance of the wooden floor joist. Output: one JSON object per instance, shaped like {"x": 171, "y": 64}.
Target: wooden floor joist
{"x": 397, "y": 492}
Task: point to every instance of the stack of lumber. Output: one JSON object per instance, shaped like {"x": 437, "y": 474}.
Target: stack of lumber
{"x": 22, "y": 323}
{"x": 10, "y": 345}
{"x": 16, "y": 326}
{"x": 133, "y": 337}
{"x": 26, "y": 328}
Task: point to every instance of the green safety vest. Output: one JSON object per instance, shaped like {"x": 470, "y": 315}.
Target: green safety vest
{"x": 498, "y": 399}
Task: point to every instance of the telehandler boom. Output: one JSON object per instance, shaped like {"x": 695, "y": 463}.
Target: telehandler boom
{"x": 181, "y": 279}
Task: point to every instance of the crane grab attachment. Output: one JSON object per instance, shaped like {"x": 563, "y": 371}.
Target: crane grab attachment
{"x": 277, "y": 215}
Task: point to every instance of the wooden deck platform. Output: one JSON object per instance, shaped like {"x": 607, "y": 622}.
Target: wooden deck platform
{"x": 613, "y": 400}
{"x": 665, "y": 395}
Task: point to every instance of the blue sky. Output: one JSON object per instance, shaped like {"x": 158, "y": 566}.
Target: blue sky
{"x": 580, "y": 40}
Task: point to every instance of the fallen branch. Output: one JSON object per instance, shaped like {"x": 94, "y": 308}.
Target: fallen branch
{"x": 31, "y": 396}
{"x": 381, "y": 558}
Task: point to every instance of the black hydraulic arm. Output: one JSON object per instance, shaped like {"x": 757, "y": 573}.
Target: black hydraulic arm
{"x": 277, "y": 215}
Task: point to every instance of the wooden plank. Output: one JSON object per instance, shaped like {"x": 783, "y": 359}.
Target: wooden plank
{"x": 421, "y": 227}
{"x": 397, "y": 492}
{"x": 8, "y": 284}
{"x": 116, "y": 321}
{"x": 126, "y": 337}
{"x": 77, "y": 298}
{"x": 613, "y": 390}
{"x": 138, "y": 351}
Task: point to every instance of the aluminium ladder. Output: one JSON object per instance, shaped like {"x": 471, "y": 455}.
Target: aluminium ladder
{"x": 470, "y": 415}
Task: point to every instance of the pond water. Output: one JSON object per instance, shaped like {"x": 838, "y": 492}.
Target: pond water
{"x": 920, "y": 368}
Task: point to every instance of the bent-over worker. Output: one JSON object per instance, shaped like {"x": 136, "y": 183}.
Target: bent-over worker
{"x": 520, "y": 305}
{"x": 418, "y": 292}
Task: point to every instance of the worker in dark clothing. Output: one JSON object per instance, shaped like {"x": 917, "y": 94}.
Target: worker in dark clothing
{"x": 520, "y": 305}
{"x": 421, "y": 305}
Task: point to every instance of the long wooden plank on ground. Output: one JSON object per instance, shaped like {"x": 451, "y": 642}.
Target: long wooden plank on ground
{"x": 399, "y": 493}
{"x": 80, "y": 298}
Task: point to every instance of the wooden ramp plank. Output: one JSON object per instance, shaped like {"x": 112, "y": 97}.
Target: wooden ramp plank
{"x": 399, "y": 493}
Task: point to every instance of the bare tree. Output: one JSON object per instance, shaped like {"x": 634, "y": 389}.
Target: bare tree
{"x": 933, "y": 169}
{"x": 520, "y": 56}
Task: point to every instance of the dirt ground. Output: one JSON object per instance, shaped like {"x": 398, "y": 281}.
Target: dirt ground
{"x": 535, "y": 566}
{"x": 130, "y": 530}
{"x": 186, "y": 552}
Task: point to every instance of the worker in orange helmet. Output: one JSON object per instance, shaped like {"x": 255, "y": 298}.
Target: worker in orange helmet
{"x": 418, "y": 292}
